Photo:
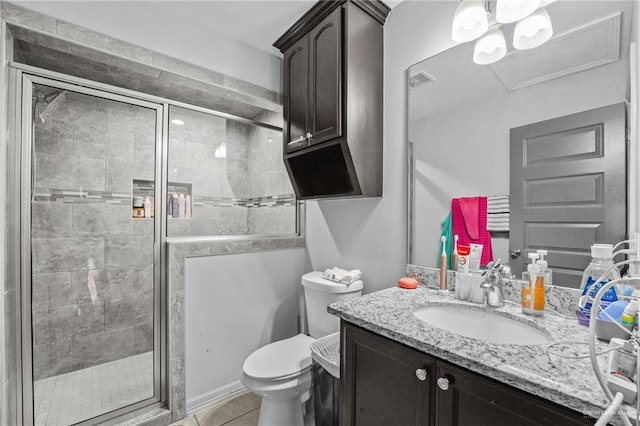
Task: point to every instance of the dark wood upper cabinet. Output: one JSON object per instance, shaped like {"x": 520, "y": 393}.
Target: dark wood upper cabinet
{"x": 333, "y": 75}
{"x": 325, "y": 85}
{"x": 296, "y": 108}
{"x": 383, "y": 382}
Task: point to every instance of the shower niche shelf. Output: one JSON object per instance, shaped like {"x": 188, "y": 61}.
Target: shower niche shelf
{"x": 179, "y": 188}
{"x": 140, "y": 190}
{"x": 146, "y": 188}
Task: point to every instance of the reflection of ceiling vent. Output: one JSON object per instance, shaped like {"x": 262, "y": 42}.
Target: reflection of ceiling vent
{"x": 419, "y": 79}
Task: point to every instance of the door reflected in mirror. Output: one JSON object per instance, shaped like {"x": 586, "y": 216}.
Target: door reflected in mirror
{"x": 465, "y": 120}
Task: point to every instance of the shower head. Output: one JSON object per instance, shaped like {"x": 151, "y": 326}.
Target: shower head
{"x": 51, "y": 104}
{"x": 45, "y": 104}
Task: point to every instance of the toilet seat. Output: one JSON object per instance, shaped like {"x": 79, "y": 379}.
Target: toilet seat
{"x": 281, "y": 359}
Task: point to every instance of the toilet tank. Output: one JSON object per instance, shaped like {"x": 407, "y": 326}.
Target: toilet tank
{"x": 320, "y": 293}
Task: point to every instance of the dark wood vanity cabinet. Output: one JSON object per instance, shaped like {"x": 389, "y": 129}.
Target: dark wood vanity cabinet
{"x": 386, "y": 383}
{"x": 383, "y": 383}
{"x": 332, "y": 99}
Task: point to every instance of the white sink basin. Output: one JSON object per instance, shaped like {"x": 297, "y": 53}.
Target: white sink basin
{"x": 482, "y": 325}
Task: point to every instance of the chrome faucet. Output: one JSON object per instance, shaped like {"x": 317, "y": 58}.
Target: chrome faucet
{"x": 491, "y": 284}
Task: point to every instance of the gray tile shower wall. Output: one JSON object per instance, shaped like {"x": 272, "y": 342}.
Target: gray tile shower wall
{"x": 92, "y": 283}
{"x": 268, "y": 178}
{"x": 236, "y": 190}
{"x": 193, "y": 160}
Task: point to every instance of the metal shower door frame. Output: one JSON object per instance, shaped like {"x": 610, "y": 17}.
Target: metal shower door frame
{"x": 23, "y": 85}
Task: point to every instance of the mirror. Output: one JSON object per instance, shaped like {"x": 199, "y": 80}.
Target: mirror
{"x": 461, "y": 114}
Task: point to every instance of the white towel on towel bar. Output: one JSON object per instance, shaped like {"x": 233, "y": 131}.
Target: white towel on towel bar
{"x": 497, "y": 216}
{"x": 502, "y": 208}
{"x": 498, "y": 213}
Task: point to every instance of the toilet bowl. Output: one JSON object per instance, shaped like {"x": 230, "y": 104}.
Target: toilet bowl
{"x": 280, "y": 372}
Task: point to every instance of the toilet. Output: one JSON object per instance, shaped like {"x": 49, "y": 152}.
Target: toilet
{"x": 280, "y": 372}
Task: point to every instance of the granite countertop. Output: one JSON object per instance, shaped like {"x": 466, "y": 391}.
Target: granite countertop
{"x": 568, "y": 382}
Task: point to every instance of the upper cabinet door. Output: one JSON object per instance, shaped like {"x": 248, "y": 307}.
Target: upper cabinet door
{"x": 325, "y": 89}
{"x": 296, "y": 95}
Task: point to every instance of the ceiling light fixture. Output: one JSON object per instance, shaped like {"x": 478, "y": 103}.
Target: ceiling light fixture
{"x": 470, "y": 21}
{"x": 533, "y": 30}
{"x": 490, "y": 48}
{"x": 508, "y": 11}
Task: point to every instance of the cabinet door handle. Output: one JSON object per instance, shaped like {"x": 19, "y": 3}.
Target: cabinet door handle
{"x": 421, "y": 374}
{"x": 443, "y": 383}
{"x": 301, "y": 139}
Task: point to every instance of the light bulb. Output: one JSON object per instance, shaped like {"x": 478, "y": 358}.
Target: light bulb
{"x": 470, "y": 21}
{"x": 490, "y": 48}
{"x": 533, "y": 30}
{"x": 513, "y": 10}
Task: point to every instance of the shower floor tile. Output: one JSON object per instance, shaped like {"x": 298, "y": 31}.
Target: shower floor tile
{"x": 80, "y": 395}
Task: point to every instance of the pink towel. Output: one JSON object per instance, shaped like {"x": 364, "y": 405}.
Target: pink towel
{"x": 469, "y": 216}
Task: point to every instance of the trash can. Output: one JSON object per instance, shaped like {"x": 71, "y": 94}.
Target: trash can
{"x": 325, "y": 353}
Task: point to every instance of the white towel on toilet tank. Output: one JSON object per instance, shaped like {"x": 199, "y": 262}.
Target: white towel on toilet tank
{"x": 342, "y": 276}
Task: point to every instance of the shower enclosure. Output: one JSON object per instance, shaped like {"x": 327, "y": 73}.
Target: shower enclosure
{"x": 92, "y": 294}
{"x": 105, "y": 176}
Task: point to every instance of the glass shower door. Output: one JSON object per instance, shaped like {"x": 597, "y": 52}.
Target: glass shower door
{"x": 94, "y": 293}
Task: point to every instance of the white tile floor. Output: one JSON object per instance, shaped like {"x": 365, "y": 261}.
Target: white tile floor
{"x": 80, "y": 395}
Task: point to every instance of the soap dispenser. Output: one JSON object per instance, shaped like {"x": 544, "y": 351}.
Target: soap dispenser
{"x": 532, "y": 258}
{"x": 533, "y": 297}
{"x": 544, "y": 267}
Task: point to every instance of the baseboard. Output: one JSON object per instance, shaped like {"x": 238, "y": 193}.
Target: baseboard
{"x": 215, "y": 397}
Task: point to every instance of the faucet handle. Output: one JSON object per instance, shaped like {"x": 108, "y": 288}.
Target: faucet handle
{"x": 493, "y": 267}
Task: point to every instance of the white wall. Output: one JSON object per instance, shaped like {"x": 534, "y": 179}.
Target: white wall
{"x": 454, "y": 160}
{"x": 171, "y": 34}
{"x": 370, "y": 234}
{"x": 234, "y": 305}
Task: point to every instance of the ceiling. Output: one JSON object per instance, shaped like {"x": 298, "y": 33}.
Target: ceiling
{"x": 255, "y": 22}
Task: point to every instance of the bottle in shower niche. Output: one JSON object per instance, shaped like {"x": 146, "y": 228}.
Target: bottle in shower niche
{"x": 181, "y": 206}
{"x": 187, "y": 206}
{"x": 146, "y": 204}
{"x": 175, "y": 206}
{"x": 138, "y": 208}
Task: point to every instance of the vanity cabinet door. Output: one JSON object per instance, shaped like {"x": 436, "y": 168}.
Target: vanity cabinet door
{"x": 383, "y": 382}
{"x": 464, "y": 398}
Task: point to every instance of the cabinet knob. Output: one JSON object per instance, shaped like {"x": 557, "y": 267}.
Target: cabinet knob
{"x": 443, "y": 383}
{"x": 309, "y": 135}
{"x": 421, "y": 374}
